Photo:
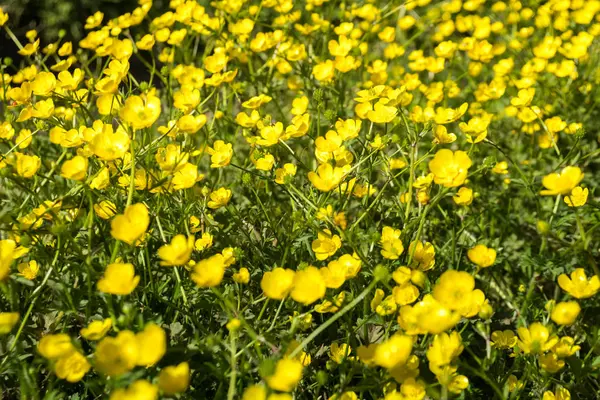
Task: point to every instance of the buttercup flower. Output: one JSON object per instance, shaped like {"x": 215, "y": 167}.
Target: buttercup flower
{"x": 450, "y": 168}
{"x": 565, "y": 313}
{"x": 577, "y": 197}
{"x": 96, "y": 330}
{"x": 72, "y": 367}
{"x": 326, "y": 244}
{"x": 141, "y": 111}
{"x": 219, "y": 198}
{"x": 276, "y": 284}
{"x": 308, "y": 286}
{"x": 482, "y": 256}
{"x": 209, "y": 272}
{"x": 536, "y": 339}
{"x": 394, "y": 351}
{"x": 118, "y": 279}
{"x": 563, "y": 182}
{"x": 177, "y": 252}
{"x": 174, "y": 379}
{"x": 578, "y": 285}
{"x": 288, "y": 373}
{"x": 139, "y": 389}
{"x": 131, "y": 225}
{"x": 7, "y": 321}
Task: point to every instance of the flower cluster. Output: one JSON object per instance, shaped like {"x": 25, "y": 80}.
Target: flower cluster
{"x": 269, "y": 199}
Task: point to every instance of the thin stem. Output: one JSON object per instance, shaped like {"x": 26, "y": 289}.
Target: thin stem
{"x": 232, "y": 376}
{"x": 331, "y": 320}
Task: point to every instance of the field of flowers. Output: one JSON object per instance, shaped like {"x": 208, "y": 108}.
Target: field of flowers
{"x": 316, "y": 199}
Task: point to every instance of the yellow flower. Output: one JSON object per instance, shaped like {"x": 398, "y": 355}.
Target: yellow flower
{"x": 220, "y": 154}
{"x": 26, "y": 165}
{"x": 75, "y": 168}
{"x": 29, "y": 270}
{"x": 563, "y": 182}
{"x": 565, "y": 313}
{"x": 96, "y": 330}
{"x": 482, "y": 256}
{"x": 450, "y": 169}
{"x": 514, "y": 384}
{"x": 177, "y": 252}
{"x": 101, "y": 180}
{"x": 566, "y": 347}
{"x": 174, "y": 379}
{"x": 324, "y": 72}
{"x": 393, "y": 352}
{"x": 366, "y": 354}
{"x": 423, "y": 255}
{"x": 255, "y": 392}
{"x": 209, "y": 272}
{"x": 146, "y": 42}
{"x": 264, "y": 163}
{"x": 388, "y": 306}
{"x": 277, "y": 284}
{"x": 412, "y": 389}
{"x": 523, "y": 98}
{"x": 257, "y": 101}
{"x": 191, "y": 123}
{"x": 579, "y": 286}
{"x": 281, "y": 174}
{"x": 219, "y": 198}
{"x": 334, "y": 274}
{"x": 110, "y": 145}
{"x": 138, "y": 390}
{"x": 131, "y": 225}
{"x": 405, "y": 294}
{"x": 504, "y": 339}
{"x": 117, "y": 355}
{"x": 326, "y": 244}
{"x": 441, "y": 135}
{"x": 444, "y": 349}
{"x": 43, "y": 84}
{"x": 288, "y": 373}
{"x": 327, "y": 177}
{"x": 551, "y": 363}
{"x": 216, "y": 63}
{"x": 577, "y": 197}
{"x": 30, "y": 48}
{"x": 152, "y": 342}
{"x": 72, "y": 367}
{"x": 55, "y": 346}
{"x": 204, "y": 242}
{"x": 186, "y": 99}
{"x": 3, "y": 17}
{"x": 560, "y": 394}
{"x": 119, "y": 279}
{"x": 339, "y": 352}
{"x": 7, "y": 321}
{"x": 536, "y": 339}
{"x": 500, "y": 168}
{"x": 106, "y": 209}
{"x": 382, "y": 114}
{"x": 476, "y": 128}
{"x": 308, "y": 286}
{"x": 448, "y": 115}
{"x": 141, "y": 111}
{"x": 455, "y": 289}
{"x": 391, "y": 245}
{"x": 242, "y": 276}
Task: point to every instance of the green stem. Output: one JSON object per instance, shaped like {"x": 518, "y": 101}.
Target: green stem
{"x": 35, "y": 296}
{"x": 232, "y": 376}
{"x": 331, "y": 320}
